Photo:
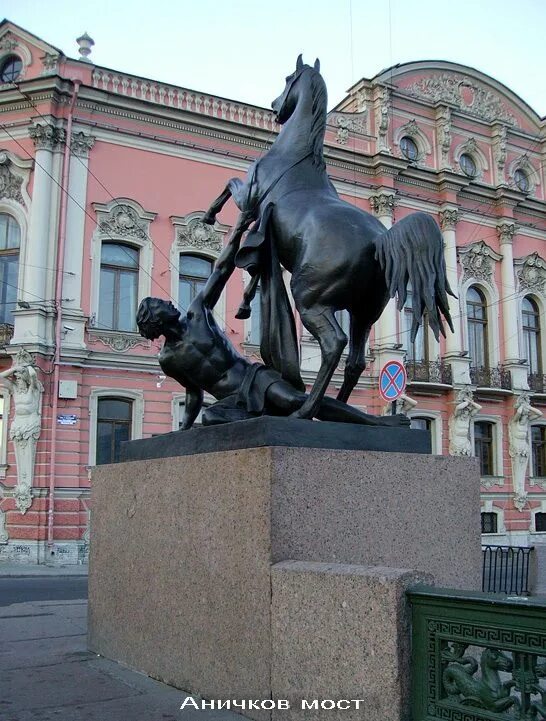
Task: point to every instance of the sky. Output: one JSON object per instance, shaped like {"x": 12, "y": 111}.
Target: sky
{"x": 243, "y": 49}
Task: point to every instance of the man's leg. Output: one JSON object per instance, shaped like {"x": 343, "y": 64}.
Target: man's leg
{"x": 286, "y": 399}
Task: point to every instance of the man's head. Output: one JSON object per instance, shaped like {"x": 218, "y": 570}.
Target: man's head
{"x": 155, "y": 316}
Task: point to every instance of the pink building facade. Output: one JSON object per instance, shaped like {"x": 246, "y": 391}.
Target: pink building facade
{"x": 104, "y": 178}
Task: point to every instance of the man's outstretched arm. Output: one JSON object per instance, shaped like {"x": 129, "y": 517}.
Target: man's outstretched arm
{"x": 192, "y": 406}
{"x": 225, "y": 265}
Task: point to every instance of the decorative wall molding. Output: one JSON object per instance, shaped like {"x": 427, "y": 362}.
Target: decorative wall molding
{"x": 382, "y": 111}
{"x": 10, "y": 184}
{"x": 478, "y": 262}
{"x": 123, "y": 219}
{"x": 443, "y": 132}
{"x": 193, "y": 234}
{"x": 499, "y": 150}
{"x": 50, "y": 61}
{"x": 449, "y": 218}
{"x": 14, "y": 174}
{"x": 524, "y": 163}
{"x": 506, "y": 232}
{"x": 46, "y": 136}
{"x": 531, "y": 273}
{"x": 383, "y": 204}
{"x": 349, "y": 124}
{"x": 81, "y": 144}
{"x": 118, "y": 341}
{"x": 464, "y": 93}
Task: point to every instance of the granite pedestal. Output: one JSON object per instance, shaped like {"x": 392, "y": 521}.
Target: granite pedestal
{"x": 187, "y": 581}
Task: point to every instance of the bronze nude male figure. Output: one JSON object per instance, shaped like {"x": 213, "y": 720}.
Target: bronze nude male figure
{"x": 201, "y": 358}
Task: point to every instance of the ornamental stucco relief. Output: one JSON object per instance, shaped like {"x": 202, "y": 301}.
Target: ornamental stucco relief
{"x": 123, "y": 221}
{"x": 531, "y": 273}
{"x": 464, "y": 93}
{"x": 10, "y": 184}
{"x": 478, "y": 262}
{"x": 199, "y": 236}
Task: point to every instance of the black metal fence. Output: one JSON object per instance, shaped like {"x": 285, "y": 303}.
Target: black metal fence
{"x": 429, "y": 372}
{"x": 505, "y": 569}
{"x": 485, "y": 377}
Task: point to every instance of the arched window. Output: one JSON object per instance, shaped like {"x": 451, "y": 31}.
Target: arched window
{"x": 483, "y": 447}
{"x": 10, "y": 69}
{"x": 10, "y": 241}
{"x": 417, "y": 351}
{"x": 193, "y": 274}
{"x": 476, "y": 310}
{"x": 531, "y": 335}
{"x": 118, "y": 287}
{"x": 114, "y": 421}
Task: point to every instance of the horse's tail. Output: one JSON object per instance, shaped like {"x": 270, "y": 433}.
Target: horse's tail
{"x": 412, "y": 250}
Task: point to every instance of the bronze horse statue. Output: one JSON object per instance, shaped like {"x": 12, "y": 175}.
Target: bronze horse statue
{"x": 340, "y": 257}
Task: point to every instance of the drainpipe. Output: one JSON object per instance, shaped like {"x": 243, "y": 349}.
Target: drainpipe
{"x": 58, "y": 309}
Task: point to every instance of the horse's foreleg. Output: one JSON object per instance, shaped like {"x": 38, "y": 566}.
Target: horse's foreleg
{"x": 217, "y": 205}
{"x": 356, "y": 360}
{"x": 322, "y": 324}
{"x": 250, "y": 291}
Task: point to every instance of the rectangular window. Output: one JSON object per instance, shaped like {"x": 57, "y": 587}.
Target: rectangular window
{"x": 114, "y": 421}
{"x": 483, "y": 447}
{"x": 540, "y": 522}
{"x": 489, "y": 523}
{"x": 538, "y": 445}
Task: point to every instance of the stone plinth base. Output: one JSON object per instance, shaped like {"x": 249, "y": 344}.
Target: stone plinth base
{"x": 181, "y": 584}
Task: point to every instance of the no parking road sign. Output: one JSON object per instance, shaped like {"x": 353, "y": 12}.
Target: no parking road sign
{"x": 392, "y": 380}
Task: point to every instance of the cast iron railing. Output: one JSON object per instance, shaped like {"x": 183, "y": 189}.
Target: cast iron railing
{"x": 429, "y": 372}
{"x": 497, "y": 377}
{"x": 537, "y": 382}
{"x": 505, "y": 569}
{"x": 477, "y": 656}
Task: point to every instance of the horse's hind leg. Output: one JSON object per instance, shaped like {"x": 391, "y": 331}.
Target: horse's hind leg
{"x": 322, "y": 324}
{"x": 217, "y": 205}
{"x": 356, "y": 360}
{"x": 250, "y": 291}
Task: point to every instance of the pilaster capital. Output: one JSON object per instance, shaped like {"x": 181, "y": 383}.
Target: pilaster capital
{"x": 449, "y": 218}
{"x": 383, "y": 204}
{"x": 506, "y": 231}
{"x": 46, "y": 136}
{"x": 81, "y": 144}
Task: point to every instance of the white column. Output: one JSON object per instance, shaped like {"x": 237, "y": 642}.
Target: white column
{"x": 386, "y": 328}
{"x": 460, "y": 365}
{"x": 73, "y": 332}
{"x": 512, "y": 354}
{"x": 38, "y": 263}
{"x": 448, "y": 223}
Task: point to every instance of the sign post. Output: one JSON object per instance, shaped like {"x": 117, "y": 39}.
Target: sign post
{"x": 392, "y": 382}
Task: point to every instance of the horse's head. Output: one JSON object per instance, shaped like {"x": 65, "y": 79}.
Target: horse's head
{"x": 496, "y": 660}
{"x": 284, "y": 105}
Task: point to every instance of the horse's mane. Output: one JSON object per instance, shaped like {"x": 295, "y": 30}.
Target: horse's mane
{"x": 318, "y": 126}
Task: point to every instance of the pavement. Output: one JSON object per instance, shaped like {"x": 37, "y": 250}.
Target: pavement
{"x": 47, "y": 673}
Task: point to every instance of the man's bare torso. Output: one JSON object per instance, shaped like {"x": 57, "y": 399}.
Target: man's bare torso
{"x": 202, "y": 356}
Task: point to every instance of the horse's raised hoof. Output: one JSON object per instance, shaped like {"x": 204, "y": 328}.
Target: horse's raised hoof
{"x": 209, "y": 218}
{"x": 243, "y": 313}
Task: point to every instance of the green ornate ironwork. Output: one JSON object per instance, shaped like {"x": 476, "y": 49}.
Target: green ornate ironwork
{"x": 477, "y": 656}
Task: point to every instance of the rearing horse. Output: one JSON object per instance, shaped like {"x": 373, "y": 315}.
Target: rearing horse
{"x": 340, "y": 257}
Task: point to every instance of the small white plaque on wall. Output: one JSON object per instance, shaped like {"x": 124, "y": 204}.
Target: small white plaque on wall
{"x": 68, "y": 389}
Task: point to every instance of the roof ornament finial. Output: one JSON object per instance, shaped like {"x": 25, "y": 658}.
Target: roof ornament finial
{"x": 85, "y": 44}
